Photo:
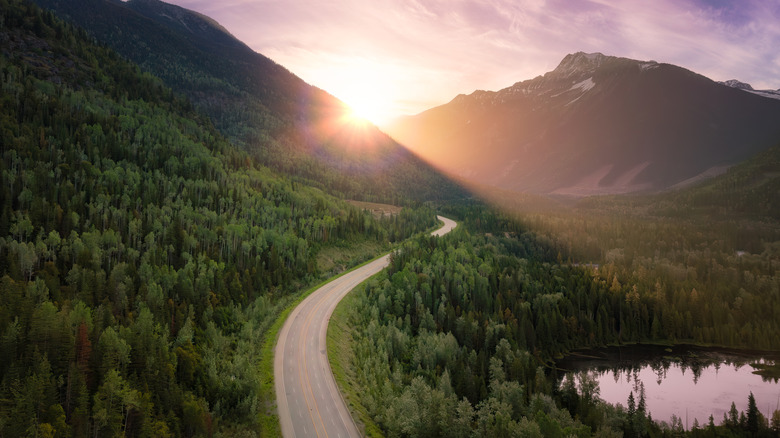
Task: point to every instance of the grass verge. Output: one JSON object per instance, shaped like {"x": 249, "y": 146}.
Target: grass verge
{"x": 269, "y": 420}
{"x": 340, "y": 356}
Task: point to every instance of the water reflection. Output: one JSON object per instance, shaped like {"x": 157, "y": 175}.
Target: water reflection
{"x": 683, "y": 383}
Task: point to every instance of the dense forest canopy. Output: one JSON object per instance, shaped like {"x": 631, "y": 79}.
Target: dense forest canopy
{"x": 459, "y": 337}
{"x": 142, "y": 256}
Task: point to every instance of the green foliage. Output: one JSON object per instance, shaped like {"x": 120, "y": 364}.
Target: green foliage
{"x": 142, "y": 257}
{"x": 468, "y": 322}
{"x": 706, "y": 276}
{"x": 458, "y": 329}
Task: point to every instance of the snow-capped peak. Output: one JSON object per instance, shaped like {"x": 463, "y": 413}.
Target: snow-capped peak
{"x": 579, "y": 62}
{"x": 733, "y": 83}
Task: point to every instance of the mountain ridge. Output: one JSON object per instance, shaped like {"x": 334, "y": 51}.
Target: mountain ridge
{"x": 596, "y": 124}
{"x": 289, "y": 125}
{"x": 735, "y": 83}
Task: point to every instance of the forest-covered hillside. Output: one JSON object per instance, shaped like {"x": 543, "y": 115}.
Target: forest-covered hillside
{"x": 708, "y": 251}
{"x": 142, "y": 256}
{"x": 289, "y": 125}
{"x": 459, "y": 337}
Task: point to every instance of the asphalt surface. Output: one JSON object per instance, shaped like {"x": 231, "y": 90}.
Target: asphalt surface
{"x": 308, "y": 401}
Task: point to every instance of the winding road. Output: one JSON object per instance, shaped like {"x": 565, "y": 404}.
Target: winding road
{"x": 308, "y": 401}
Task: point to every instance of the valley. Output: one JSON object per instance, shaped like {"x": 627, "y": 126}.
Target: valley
{"x": 196, "y": 242}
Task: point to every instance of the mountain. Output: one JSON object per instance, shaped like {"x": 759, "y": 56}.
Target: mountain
{"x": 143, "y": 257}
{"x": 596, "y": 124}
{"x": 733, "y": 83}
{"x": 289, "y": 125}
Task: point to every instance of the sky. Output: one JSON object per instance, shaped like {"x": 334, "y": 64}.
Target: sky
{"x": 388, "y": 58}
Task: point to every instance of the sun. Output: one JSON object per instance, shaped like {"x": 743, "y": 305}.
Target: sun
{"x": 370, "y": 99}
{"x": 365, "y": 107}
{"x": 367, "y": 85}
{"x": 364, "y": 110}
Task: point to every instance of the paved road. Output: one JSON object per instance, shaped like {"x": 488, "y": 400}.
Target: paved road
{"x": 308, "y": 401}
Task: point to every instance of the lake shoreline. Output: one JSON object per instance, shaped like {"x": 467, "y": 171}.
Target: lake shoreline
{"x": 688, "y": 381}
{"x": 615, "y": 356}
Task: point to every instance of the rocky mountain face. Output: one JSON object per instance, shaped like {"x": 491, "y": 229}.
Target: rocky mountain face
{"x": 291, "y": 126}
{"x": 596, "y": 124}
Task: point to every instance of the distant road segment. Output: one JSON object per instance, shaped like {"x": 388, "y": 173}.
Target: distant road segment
{"x": 308, "y": 401}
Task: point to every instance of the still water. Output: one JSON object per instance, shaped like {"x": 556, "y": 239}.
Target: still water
{"x": 686, "y": 381}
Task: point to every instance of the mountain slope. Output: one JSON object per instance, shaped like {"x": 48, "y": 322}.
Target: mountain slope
{"x": 747, "y": 191}
{"x": 290, "y": 125}
{"x": 595, "y": 124}
{"x": 142, "y": 256}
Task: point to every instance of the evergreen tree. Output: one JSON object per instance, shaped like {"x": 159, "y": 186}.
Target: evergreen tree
{"x": 631, "y": 405}
{"x": 752, "y": 416}
{"x": 732, "y": 420}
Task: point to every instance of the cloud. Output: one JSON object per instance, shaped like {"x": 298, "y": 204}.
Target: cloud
{"x": 428, "y": 51}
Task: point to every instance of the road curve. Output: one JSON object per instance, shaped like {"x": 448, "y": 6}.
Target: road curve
{"x": 308, "y": 401}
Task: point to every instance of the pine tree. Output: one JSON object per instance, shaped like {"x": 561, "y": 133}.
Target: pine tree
{"x": 733, "y": 416}
{"x": 752, "y": 415}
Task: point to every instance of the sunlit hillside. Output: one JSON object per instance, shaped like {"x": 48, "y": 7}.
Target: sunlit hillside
{"x": 259, "y": 105}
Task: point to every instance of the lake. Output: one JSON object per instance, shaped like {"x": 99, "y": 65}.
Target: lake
{"x": 687, "y": 381}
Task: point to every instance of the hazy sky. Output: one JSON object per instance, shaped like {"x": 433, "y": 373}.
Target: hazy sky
{"x": 394, "y": 57}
